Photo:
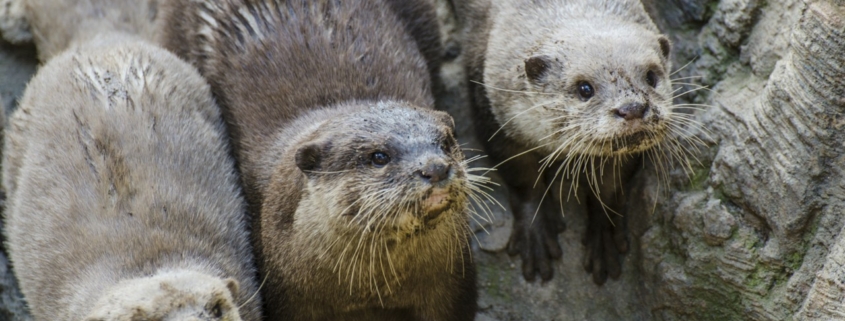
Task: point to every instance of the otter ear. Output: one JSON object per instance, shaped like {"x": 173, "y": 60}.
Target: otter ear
{"x": 536, "y": 67}
{"x": 233, "y": 286}
{"x": 665, "y": 46}
{"x": 446, "y": 119}
{"x": 308, "y": 156}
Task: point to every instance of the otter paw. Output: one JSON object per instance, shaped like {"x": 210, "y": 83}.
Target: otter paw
{"x": 605, "y": 245}
{"x": 536, "y": 243}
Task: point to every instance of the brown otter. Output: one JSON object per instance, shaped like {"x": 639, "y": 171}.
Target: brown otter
{"x": 359, "y": 186}
{"x": 123, "y": 202}
{"x": 575, "y": 89}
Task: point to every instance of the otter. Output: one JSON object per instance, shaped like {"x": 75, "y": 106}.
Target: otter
{"x": 576, "y": 91}
{"x": 55, "y": 25}
{"x": 358, "y": 186}
{"x": 122, "y": 199}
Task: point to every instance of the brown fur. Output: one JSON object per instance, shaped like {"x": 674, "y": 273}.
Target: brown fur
{"x": 311, "y": 91}
{"x": 123, "y": 201}
{"x": 526, "y": 62}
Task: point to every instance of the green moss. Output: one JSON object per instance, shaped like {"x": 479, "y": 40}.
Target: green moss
{"x": 497, "y": 281}
{"x": 699, "y": 178}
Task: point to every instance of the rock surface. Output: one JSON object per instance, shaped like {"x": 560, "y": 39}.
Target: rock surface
{"x": 753, "y": 232}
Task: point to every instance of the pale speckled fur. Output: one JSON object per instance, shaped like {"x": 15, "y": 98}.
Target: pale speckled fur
{"x": 625, "y": 42}
{"x": 346, "y": 78}
{"x": 119, "y": 181}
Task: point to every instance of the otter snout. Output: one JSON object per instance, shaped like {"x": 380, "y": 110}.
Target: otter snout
{"x": 632, "y": 111}
{"x": 435, "y": 170}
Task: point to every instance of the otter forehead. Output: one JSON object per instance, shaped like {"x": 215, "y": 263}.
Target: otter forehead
{"x": 608, "y": 46}
{"x": 397, "y": 127}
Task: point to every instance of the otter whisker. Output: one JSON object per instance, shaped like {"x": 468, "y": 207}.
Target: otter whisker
{"x": 254, "y": 294}
{"x": 517, "y": 115}
{"x": 684, "y": 66}
{"x": 475, "y": 191}
{"x": 685, "y": 126}
{"x": 319, "y": 172}
{"x": 480, "y": 199}
{"x": 688, "y": 92}
{"x": 472, "y": 159}
{"x": 483, "y": 207}
{"x": 390, "y": 264}
{"x": 511, "y": 90}
{"x": 515, "y": 156}
{"x": 685, "y": 78}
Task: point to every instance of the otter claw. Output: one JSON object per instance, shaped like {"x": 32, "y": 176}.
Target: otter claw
{"x": 536, "y": 243}
{"x": 605, "y": 244}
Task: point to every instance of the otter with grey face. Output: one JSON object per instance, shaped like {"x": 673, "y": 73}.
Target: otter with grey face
{"x": 123, "y": 201}
{"x": 576, "y": 91}
{"x": 358, "y": 187}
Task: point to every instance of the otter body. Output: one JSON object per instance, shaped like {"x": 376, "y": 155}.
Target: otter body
{"x": 579, "y": 89}
{"x": 122, "y": 200}
{"x": 358, "y": 186}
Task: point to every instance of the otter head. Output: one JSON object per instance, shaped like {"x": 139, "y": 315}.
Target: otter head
{"x": 169, "y": 296}
{"x": 598, "y": 87}
{"x": 388, "y": 169}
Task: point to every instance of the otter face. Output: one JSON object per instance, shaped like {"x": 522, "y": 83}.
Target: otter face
{"x": 169, "y": 296}
{"x": 600, "y": 90}
{"x": 393, "y": 169}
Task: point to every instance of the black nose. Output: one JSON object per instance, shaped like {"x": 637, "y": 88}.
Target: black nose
{"x": 436, "y": 170}
{"x": 632, "y": 111}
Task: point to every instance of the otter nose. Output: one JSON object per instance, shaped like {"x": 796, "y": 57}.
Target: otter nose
{"x": 434, "y": 171}
{"x": 632, "y": 111}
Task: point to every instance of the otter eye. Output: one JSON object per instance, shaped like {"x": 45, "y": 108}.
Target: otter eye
{"x": 585, "y": 90}
{"x": 380, "y": 159}
{"x": 651, "y": 78}
{"x": 217, "y": 311}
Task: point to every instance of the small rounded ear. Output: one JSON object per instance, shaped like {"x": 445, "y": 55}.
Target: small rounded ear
{"x": 308, "y": 156}
{"x": 233, "y": 286}
{"x": 665, "y": 46}
{"x": 536, "y": 67}
{"x": 446, "y": 119}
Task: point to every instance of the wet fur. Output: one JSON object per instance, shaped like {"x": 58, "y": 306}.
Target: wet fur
{"x": 579, "y": 146}
{"x": 310, "y": 90}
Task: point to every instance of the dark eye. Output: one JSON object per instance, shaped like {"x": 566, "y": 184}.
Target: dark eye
{"x": 651, "y": 78}
{"x": 380, "y": 159}
{"x": 217, "y": 311}
{"x": 585, "y": 90}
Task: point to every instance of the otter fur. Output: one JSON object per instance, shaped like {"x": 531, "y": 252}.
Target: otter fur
{"x": 55, "y": 25}
{"x": 359, "y": 187}
{"x": 122, "y": 199}
{"x": 574, "y": 90}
